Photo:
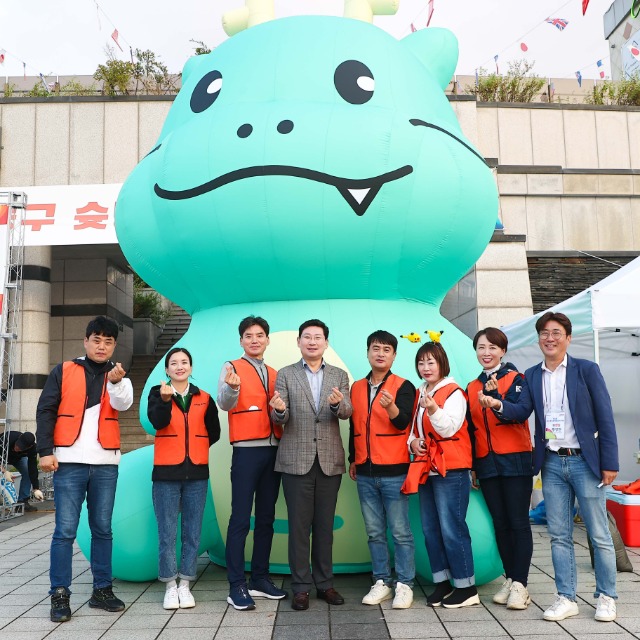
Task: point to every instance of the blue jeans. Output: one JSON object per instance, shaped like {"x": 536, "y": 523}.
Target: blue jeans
{"x": 252, "y": 475}
{"x": 563, "y": 480}
{"x": 72, "y": 483}
{"x": 443, "y": 509}
{"x": 383, "y": 505}
{"x": 22, "y": 465}
{"x": 170, "y": 498}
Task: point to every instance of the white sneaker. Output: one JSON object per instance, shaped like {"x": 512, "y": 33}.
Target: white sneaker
{"x": 186, "y": 599}
{"x": 171, "y": 600}
{"x": 503, "y": 594}
{"x": 519, "y": 597}
{"x": 562, "y": 608}
{"x": 377, "y": 594}
{"x": 606, "y": 609}
{"x": 404, "y": 596}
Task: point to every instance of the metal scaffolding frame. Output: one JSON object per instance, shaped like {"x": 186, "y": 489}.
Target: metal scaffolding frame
{"x": 13, "y": 205}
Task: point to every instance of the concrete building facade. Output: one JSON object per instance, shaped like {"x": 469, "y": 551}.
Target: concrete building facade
{"x": 568, "y": 177}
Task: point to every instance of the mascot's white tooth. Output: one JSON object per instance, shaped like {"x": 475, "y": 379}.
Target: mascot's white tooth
{"x": 359, "y": 194}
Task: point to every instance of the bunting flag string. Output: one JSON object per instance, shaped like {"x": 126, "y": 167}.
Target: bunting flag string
{"x": 560, "y": 23}
{"x": 115, "y": 35}
{"x": 599, "y": 63}
{"x": 430, "y": 14}
{"x": 3, "y": 58}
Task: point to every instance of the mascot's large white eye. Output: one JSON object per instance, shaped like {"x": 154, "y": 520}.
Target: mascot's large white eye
{"x": 206, "y": 91}
{"x": 354, "y": 82}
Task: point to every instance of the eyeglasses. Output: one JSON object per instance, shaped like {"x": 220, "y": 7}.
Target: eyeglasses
{"x": 555, "y": 334}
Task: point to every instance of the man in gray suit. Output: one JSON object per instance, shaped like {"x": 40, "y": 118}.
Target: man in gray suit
{"x": 310, "y": 397}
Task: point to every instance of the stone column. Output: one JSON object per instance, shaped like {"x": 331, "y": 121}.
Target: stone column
{"x": 31, "y": 365}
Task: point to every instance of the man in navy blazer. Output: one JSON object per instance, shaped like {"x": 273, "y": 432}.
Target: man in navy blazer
{"x": 577, "y": 449}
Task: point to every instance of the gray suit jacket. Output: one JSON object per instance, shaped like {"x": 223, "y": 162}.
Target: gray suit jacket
{"x": 307, "y": 431}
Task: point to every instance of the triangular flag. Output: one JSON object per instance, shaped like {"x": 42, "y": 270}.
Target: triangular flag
{"x": 413, "y": 29}
{"x": 558, "y": 23}
{"x": 579, "y": 78}
{"x": 524, "y": 47}
{"x": 430, "y": 12}
{"x": 599, "y": 63}
{"x": 2, "y": 53}
{"x": 114, "y": 35}
{"x": 585, "y": 4}
{"x": 496, "y": 61}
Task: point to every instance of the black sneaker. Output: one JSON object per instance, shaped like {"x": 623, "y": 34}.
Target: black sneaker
{"x": 442, "y": 590}
{"x": 104, "y": 599}
{"x": 60, "y": 609}
{"x": 27, "y": 506}
{"x": 461, "y": 598}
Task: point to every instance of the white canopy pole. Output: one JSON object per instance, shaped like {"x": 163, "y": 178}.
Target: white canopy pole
{"x": 596, "y": 347}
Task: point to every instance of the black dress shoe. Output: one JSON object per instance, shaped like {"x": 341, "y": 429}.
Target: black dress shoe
{"x": 300, "y": 601}
{"x": 330, "y": 596}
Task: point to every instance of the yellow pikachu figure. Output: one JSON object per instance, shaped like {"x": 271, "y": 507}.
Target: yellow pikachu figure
{"x": 412, "y": 337}
{"x": 434, "y": 336}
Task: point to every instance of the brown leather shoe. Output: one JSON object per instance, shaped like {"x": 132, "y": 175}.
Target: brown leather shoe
{"x": 300, "y": 601}
{"x": 330, "y": 596}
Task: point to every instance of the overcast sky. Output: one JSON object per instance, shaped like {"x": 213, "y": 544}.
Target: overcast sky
{"x": 66, "y": 37}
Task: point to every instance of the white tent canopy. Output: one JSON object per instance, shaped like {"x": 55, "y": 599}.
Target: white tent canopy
{"x": 606, "y": 328}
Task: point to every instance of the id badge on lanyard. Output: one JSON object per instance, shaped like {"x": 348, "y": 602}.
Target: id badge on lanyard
{"x": 554, "y": 425}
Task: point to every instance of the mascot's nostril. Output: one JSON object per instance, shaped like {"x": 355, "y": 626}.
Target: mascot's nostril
{"x": 286, "y": 126}
{"x": 245, "y": 130}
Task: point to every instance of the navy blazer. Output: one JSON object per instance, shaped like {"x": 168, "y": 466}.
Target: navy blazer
{"x": 591, "y": 412}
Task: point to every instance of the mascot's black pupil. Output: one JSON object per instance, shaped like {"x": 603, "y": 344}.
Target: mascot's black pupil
{"x": 346, "y": 80}
{"x": 206, "y": 91}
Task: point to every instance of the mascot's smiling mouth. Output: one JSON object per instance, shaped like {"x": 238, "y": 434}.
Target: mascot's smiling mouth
{"x": 359, "y": 194}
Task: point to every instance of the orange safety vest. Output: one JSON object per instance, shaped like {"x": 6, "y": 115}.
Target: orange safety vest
{"x": 374, "y": 436}
{"x": 457, "y": 448}
{"x": 73, "y": 402}
{"x": 185, "y": 436}
{"x": 250, "y": 419}
{"x": 490, "y": 433}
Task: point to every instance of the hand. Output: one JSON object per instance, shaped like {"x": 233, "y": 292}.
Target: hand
{"x": 38, "y": 495}
{"x": 7, "y": 476}
{"x": 49, "y": 463}
{"x": 352, "y": 471}
{"x": 232, "y": 378}
{"x": 488, "y": 402}
{"x": 608, "y": 477}
{"x": 474, "y": 481}
{"x": 166, "y": 391}
{"x": 492, "y": 383}
{"x": 335, "y": 397}
{"x": 386, "y": 399}
{"x": 418, "y": 446}
{"x": 278, "y": 403}
{"x": 116, "y": 374}
{"x": 428, "y": 403}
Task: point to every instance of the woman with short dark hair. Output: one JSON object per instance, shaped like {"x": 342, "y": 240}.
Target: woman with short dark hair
{"x": 502, "y": 466}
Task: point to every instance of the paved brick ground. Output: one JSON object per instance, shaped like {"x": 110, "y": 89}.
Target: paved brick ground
{"x": 24, "y": 604}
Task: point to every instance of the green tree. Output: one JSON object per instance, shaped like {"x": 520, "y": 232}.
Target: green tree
{"x": 518, "y": 85}
{"x": 622, "y": 92}
{"x": 152, "y": 74}
{"x": 201, "y": 48}
{"x": 116, "y": 75}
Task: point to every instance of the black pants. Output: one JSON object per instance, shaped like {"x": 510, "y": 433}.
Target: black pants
{"x": 311, "y": 506}
{"x": 508, "y": 499}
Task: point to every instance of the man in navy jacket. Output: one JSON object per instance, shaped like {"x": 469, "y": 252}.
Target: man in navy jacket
{"x": 576, "y": 448}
